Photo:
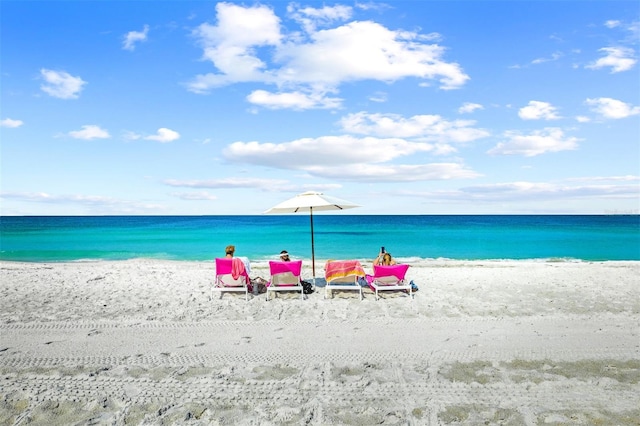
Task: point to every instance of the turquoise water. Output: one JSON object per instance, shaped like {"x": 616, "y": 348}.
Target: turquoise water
{"x": 337, "y": 236}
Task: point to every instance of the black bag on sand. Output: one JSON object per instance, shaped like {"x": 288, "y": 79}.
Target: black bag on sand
{"x": 307, "y": 287}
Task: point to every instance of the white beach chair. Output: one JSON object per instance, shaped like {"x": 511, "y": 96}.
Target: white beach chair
{"x": 225, "y": 280}
{"x": 390, "y": 278}
{"x": 343, "y": 275}
{"x": 285, "y": 276}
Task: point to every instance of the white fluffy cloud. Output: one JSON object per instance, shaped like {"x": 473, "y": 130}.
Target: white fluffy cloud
{"x": 164, "y": 135}
{"x": 537, "y": 110}
{"x": 11, "y": 123}
{"x": 375, "y": 157}
{"x": 533, "y": 191}
{"x": 554, "y": 57}
{"x": 313, "y": 62}
{"x": 133, "y": 37}
{"x": 618, "y": 58}
{"x": 267, "y": 185}
{"x": 469, "y": 107}
{"x": 90, "y": 131}
{"x": 425, "y": 127}
{"x": 230, "y": 45}
{"x": 311, "y": 18}
{"x": 195, "y": 196}
{"x": 378, "y": 97}
{"x": 611, "y": 23}
{"x": 395, "y": 172}
{"x": 538, "y": 142}
{"x": 365, "y": 159}
{"x": 612, "y": 108}
{"x": 366, "y": 50}
{"x": 93, "y": 203}
{"x": 335, "y": 150}
{"x": 293, "y": 100}
{"x": 61, "y": 84}
{"x": 230, "y": 183}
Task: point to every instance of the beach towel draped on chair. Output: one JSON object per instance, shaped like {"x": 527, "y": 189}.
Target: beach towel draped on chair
{"x": 343, "y": 275}
{"x": 390, "y": 277}
{"x": 237, "y": 268}
{"x": 231, "y": 275}
{"x": 285, "y": 276}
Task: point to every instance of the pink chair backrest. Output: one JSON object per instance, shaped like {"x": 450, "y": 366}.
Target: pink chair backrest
{"x": 223, "y": 266}
{"x": 398, "y": 271}
{"x": 277, "y": 267}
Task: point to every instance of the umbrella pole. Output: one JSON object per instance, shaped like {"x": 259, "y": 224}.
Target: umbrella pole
{"x": 313, "y": 251}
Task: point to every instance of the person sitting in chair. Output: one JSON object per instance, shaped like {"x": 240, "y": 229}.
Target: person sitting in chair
{"x": 384, "y": 259}
{"x": 284, "y": 256}
{"x": 230, "y": 250}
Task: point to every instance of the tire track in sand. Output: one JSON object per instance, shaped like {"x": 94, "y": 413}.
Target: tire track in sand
{"x": 163, "y": 386}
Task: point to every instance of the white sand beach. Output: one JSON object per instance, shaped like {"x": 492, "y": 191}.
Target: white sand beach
{"x": 483, "y": 342}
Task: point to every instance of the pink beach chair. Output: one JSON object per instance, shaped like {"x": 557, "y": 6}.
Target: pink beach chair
{"x": 285, "y": 276}
{"x": 231, "y": 275}
{"x": 343, "y": 275}
{"x": 390, "y": 277}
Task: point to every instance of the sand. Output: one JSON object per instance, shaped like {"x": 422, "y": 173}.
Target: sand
{"x": 486, "y": 342}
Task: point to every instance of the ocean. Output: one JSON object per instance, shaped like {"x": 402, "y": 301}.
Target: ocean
{"x": 336, "y": 236}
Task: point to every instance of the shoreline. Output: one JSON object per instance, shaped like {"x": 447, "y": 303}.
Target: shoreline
{"x": 141, "y": 341}
{"x": 263, "y": 262}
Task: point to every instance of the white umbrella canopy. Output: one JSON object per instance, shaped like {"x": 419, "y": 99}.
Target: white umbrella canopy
{"x": 309, "y": 202}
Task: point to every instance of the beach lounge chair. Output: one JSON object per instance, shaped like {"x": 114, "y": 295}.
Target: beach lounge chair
{"x": 231, "y": 275}
{"x": 285, "y": 276}
{"x": 343, "y": 275}
{"x": 389, "y": 278}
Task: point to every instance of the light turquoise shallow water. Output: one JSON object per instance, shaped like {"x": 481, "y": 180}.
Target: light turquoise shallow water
{"x": 337, "y": 236}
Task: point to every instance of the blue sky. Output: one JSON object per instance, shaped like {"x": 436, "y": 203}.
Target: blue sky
{"x": 404, "y": 107}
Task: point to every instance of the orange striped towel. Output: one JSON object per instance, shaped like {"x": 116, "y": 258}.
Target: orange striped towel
{"x": 342, "y": 268}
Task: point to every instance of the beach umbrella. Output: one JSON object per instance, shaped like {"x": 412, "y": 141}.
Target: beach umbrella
{"x": 309, "y": 202}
